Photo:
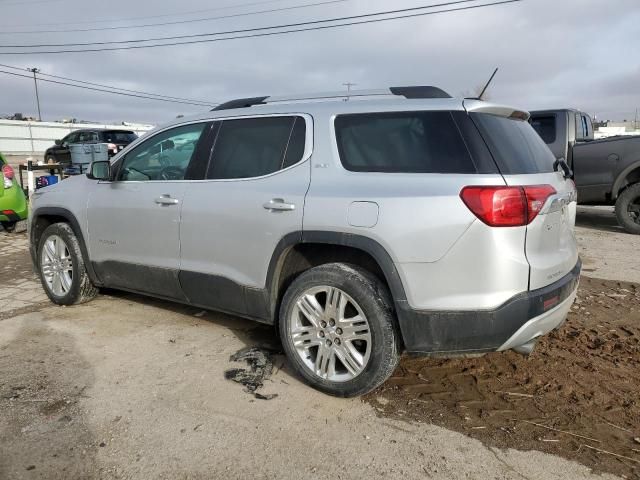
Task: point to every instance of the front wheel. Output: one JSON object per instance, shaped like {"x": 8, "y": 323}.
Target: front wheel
{"x": 61, "y": 266}
{"x": 338, "y": 330}
{"x": 628, "y": 209}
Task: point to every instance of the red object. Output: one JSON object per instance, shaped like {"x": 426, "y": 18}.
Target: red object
{"x": 8, "y": 212}
{"x": 502, "y": 206}
{"x": 552, "y": 302}
{"x": 8, "y": 172}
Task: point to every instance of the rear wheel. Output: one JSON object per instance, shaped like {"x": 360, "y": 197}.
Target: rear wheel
{"x": 337, "y": 329}
{"x": 61, "y": 266}
{"x": 628, "y": 209}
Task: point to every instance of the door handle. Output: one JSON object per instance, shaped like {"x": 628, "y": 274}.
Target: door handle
{"x": 166, "y": 200}
{"x": 278, "y": 204}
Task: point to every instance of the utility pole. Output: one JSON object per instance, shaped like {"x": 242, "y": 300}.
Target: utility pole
{"x": 35, "y": 82}
{"x": 349, "y": 85}
{"x": 635, "y": 122}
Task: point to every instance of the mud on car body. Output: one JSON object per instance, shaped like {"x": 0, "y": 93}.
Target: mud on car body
{"x": 399, "y": 220}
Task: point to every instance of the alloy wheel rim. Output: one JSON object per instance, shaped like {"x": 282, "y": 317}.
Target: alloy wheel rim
{"x": 57, "y": 265}
{"x": 330, "y": 333}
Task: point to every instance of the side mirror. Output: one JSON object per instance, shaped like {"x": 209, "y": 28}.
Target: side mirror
{"x": 58, "y": 142}
{"x": 99, "y": 171}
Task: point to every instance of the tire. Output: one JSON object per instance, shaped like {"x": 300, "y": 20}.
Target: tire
{"x": 355, "y": 359}
{"x": 59, "y": 255}
{"x": 628, "y": 209}
{"x": 9, "y": 226}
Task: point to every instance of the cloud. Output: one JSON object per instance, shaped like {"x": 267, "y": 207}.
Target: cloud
{"x": 574, "y": 53}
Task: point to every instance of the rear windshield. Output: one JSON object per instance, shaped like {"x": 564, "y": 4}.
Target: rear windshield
{"x": 117, "y": 136}
{"x": 514, "y": 144}
{"x": 407, "y": 142}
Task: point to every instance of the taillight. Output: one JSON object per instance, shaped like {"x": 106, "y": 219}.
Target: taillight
{"x": 502, "y": 206}
{"x": 7, "y": 171}
{"x": 8, "y": 174}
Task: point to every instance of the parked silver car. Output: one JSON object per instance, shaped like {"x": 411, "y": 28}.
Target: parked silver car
{"x": 360, "y": 226}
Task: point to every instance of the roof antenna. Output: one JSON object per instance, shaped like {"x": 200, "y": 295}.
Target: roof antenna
{"x": 487, "y": 85}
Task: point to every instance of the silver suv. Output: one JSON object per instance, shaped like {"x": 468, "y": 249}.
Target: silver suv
{"x": 360, "y": 227}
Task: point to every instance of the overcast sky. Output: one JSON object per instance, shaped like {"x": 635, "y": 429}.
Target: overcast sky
{"x": 551, "y": 53}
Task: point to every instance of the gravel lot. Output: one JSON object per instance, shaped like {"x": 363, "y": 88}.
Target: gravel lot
{"x": 129, "y": 387}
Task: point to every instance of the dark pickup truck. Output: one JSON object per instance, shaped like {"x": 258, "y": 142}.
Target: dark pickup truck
{"x": 605, "y": 171}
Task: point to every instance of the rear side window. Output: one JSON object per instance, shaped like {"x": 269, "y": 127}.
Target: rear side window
{"x": 115, "y": 136}
{"x": 253, "y": 147}
{"x": 514, "y": 144}
{"x": 404, "y": 142}
{"x": 546, "y": 127}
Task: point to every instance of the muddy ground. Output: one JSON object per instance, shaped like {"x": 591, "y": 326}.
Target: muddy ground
{"x": 583, "y": 379}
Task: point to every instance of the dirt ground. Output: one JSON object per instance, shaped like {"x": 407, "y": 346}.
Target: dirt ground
{"x": 583, "y": 379}
{"x": 126, "y": 387}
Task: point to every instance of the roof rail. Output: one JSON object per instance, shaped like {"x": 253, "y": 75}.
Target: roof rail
{"x": 410, "y": 92}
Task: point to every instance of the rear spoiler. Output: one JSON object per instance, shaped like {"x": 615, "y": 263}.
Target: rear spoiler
{"x": 478, "y": 106}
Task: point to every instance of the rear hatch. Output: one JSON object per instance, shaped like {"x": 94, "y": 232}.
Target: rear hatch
{"x": 524, "y": 160}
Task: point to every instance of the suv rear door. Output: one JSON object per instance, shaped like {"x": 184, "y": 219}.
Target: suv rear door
{"x": 251, "y": 197}
{"x": 525, "y": 160}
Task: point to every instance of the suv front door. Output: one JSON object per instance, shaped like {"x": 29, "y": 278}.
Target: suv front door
{"x": 252, "y": 196}
{"x": 134, "y": 220}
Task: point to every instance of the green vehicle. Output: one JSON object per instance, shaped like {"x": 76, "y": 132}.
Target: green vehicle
{"x": 13, "y": 203}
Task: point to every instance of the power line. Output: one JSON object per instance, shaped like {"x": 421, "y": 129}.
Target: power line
{"x": 29, "y": 3}
{"x": 203, "y": 102}
{"x": 255, "y": 29}
{"x": 179, "y": 22}
{"x": 146, "y": 17}
{"x": 264, "y": 34}
{"x": 106, "y": 91}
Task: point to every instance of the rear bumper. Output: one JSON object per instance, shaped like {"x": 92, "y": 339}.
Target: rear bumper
{"x": 15, "y": 201}
{"x": 516, "y": 322}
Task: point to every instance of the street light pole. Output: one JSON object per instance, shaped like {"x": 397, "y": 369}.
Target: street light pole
{"x": 35, "y": 82}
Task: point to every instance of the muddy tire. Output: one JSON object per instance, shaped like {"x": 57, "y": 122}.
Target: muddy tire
{"x": 628, "y": 209}
{"x": 338, "y": 330}
{"x": 61, "y": 266}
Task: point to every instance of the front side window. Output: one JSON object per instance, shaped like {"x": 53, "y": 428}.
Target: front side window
{"x": 403, "y": 142}
{"x": 86, "y": 137}
{"x": 164, "y": 156}
{"x": 580, "y": 130}
{"x": 71, "y": 138}
{"x": 253, "y": 147}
